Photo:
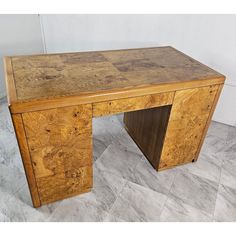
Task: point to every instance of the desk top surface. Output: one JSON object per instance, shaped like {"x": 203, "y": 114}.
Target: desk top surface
{"x": 46, "y": 76}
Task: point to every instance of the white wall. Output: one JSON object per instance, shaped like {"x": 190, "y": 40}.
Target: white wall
{"x": 19, "y": 34}
{"x": 208, "y": 38}
{"x": 97, "y": 32}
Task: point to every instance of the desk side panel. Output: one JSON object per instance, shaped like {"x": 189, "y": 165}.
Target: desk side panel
{"x": 187, "y": 124}
{"x": 26, "y": 158}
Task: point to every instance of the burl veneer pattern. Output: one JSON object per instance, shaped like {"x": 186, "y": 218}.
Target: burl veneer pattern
{"x": 190, "y": 112}
{"x": 60, "y": 146}
{"x": 76, "y": 73}
{"x": 189, "y": 115}
{"x": 26, "y": 158}
{"x": 132, "y": 104}
{"x": 52, "y": 99}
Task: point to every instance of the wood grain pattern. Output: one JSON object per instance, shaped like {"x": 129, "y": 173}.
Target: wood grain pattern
{"x": 60, "y": 145}
{"x": 147, "y": 128}
{"x": 132, "y": 104}
{"x": 10, "y": 82}
{"x": 188, "y": 119}
{"x": 26, "y": 158}
{"x": 70, "y": 74}
{"x": 52, "y": 99}
{"x": 217, "y": 96}
{"x": 50, "y": 103}
{"x": 93, "y": 75}
{"x": 64, "y": 185}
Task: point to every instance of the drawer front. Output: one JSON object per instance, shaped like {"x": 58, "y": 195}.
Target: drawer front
{"x": 132, "y": 104}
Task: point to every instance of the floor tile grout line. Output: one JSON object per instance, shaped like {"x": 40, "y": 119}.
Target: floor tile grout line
{"x": 168, "y": 195}
{"x": 201, "y": 177}
{"x": 5, "y": 216}
{"x": 228, "y": 133}
{"x": 190, "y": 203}
{"x": 222, "y": 163}
{"x": 113, "y": 142}
{"x": 227, "y": 141}
{"x": 126, "y": 181}
{"x": 50, "y": 216}
{"x": 171, "y": 186}
{"x": 118, "y": 195}
{"x": 101, "y": 154}
{"x": 13, "y": 193}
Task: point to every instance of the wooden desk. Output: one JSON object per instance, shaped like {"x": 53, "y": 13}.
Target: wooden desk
{"x": 168, "y": 99}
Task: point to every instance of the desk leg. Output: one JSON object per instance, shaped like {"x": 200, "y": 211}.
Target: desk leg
{"x": 189, "y": 118}
{"x": 56, "y": 149}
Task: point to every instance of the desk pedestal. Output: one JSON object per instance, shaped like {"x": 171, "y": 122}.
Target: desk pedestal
{"x": 56, "y": 144}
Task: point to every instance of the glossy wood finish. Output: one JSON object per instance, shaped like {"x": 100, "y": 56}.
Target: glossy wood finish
{"x": 132, "y": 104}
{"x": 187, "y": 125}
{"x": 189, "y": 115}
{"x": 26, "y": 158}
{"x": 217, "y": 96}
{"x": 52, "y": 99}
{"x": 65, "y": 185}
{"x": 147, "y": 128}
{"x": 50, "y": 103}
{"x": 59, "y": 79}
{"x": 60, "y": 146}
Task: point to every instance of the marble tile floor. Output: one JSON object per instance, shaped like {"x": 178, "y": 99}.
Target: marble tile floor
{"x": 126, "y": 187}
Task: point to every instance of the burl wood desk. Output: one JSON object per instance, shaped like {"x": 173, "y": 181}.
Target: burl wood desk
{"x": 168, "y": 99}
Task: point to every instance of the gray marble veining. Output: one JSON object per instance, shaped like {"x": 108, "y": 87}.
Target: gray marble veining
{"x": 136, "y": 203}
{"x": 225, "y": 209}
{"x": 11, "y": 179}
{"x": 111, "y": 218}
{"x": 98, "y": 148}
{"x": 206, "y": 166}
{"x": 9, "y": 152}
{"x": 145, "y": 175}
{"x": 4, "y": 218}
{"x": 176, "y": 210}
{"x": 126, "y": 187}
{"x": 228, "y": 173}
{"x": 107, "y": 129}
{"x": 218, "y": 130}
{"x": 215, "y": 147}
{"x": 195, "y": 191}
{"x": 105, "y": 190}
{"x": 230, "y": 149}
{"x": 119, "y": 161}
{"x": 16, "y": 210}
{"x": 78, "y": 210}
{"x": 92, "y": 206}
